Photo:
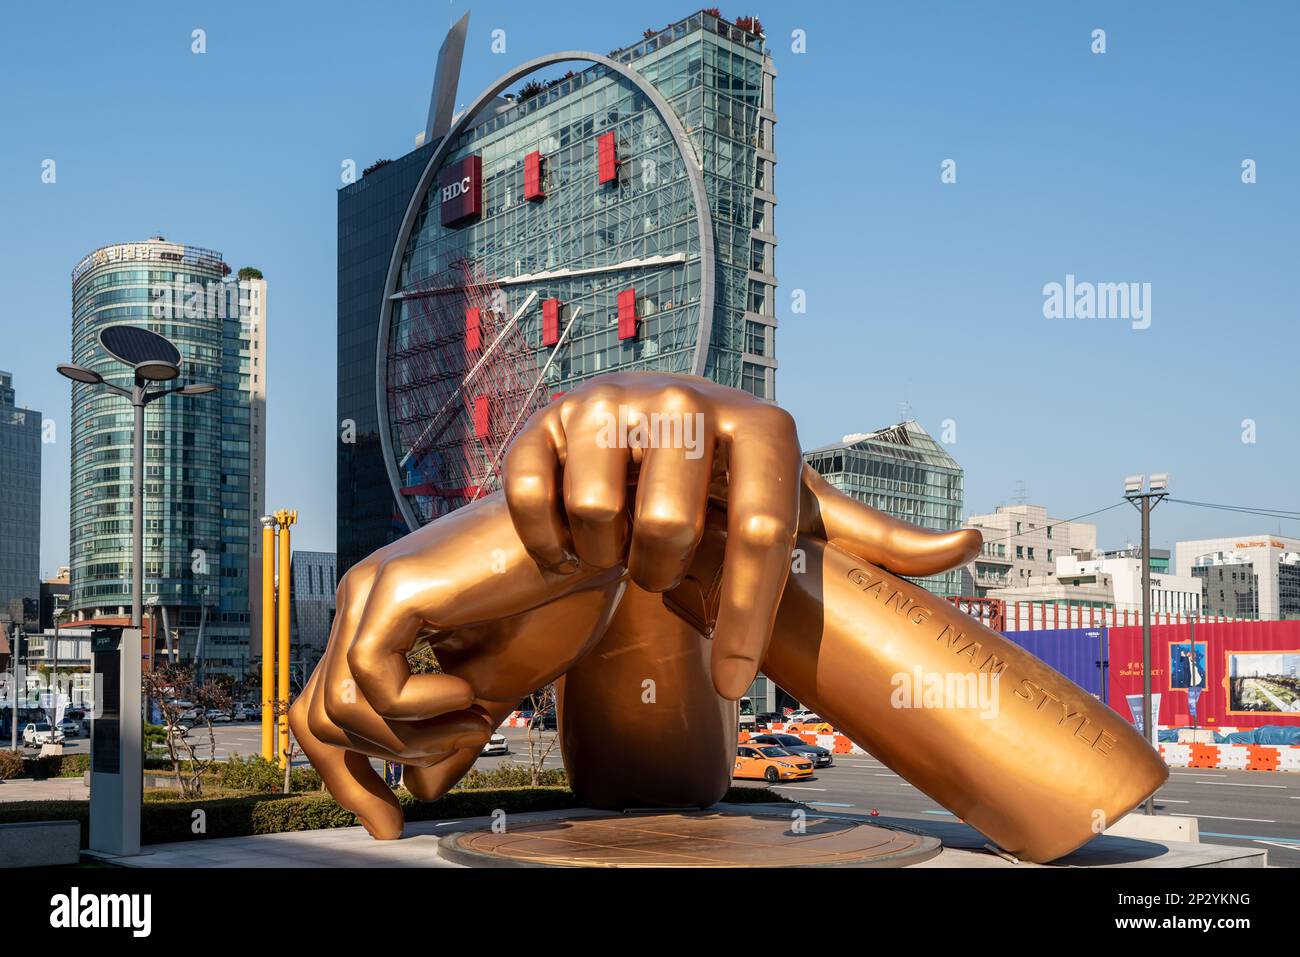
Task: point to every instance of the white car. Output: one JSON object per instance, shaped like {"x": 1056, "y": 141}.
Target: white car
{"x": 70, "y": 728}
{"x": 218, "y": 717}
{"x": 39, "y": 733}
{"x": 497, "y": 744}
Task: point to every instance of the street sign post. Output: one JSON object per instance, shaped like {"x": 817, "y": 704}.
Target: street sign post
{"x": 116, "y": 732}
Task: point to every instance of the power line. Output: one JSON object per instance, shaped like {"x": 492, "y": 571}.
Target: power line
{"x": 1063, "y": 521}
{"x": 1243, "y": 509}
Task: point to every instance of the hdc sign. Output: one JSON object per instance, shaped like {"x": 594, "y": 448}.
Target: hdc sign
{"x": 460, "y": 190}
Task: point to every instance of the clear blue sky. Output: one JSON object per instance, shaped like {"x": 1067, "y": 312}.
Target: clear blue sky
{"x": 1117, "y": 167}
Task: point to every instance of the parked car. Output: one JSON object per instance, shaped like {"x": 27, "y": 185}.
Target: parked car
{"x": 243, "y": 712}
{"x": 497, "y": 744}
{"x": 180, "y": 729}
{"x": 217, "y": 716}
{"x": 770, "y": 763}
{"x": 767, "y": 718}
{"x": 808, "y": 723}
{"x": 71, "y": 728}
{"x": 38, "y": 733}
{"x": 820, "y": 757}
{"x": 545, "y": 720}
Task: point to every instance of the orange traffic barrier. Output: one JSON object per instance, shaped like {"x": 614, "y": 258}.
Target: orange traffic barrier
{"x": 1262, "y": 757}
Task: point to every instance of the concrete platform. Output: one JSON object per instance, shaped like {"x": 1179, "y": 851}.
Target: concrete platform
{"x": 962, "y": 846}
{"x": 727, "y": 837}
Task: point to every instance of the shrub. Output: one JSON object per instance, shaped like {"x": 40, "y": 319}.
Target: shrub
{"x": 507, "y": 774}
{"x": 58, "y": 766}
{"x": 155, "y": 735}
{"x": 11, "y": 764}
{"x": 255, "y": 773}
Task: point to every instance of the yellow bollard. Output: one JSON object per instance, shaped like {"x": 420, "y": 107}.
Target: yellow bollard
{"x": 268, "y": 637}
{"x": 284, "y": 518}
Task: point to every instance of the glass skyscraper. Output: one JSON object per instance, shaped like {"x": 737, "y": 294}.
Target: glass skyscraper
{"x": 618, "y": 216}
{"x": 901, "y": 471}
{"x": 20, "y": 511}
{"x": 205, "y": 455}
{"x": 369, "y": 214}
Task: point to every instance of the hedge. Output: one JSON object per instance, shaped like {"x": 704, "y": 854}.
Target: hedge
{"x": 56, "y": 766}
{"x": 507, "y": 774}
{"x": 168, "y": 819}
{"x": 12, "y": 764}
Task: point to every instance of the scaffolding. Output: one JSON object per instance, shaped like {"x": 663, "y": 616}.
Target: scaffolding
{"x": 462, "y": 380}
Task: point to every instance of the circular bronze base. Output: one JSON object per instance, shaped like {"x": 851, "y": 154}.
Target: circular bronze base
{"x": 691, "y": 839}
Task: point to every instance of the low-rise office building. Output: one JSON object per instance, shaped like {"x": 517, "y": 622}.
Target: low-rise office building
{"x": 1255, "y": 576}
{"x": 1021, "y": 545}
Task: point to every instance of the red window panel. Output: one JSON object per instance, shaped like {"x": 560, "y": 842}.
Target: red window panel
{"x": 606, "y": 159}
{"x": 627, "y": 314}
{"x": 550, "y": 322}
{"x": 473, "y": 329}
{"x": 481, "y": 417}
{"x": 533, "y": 176}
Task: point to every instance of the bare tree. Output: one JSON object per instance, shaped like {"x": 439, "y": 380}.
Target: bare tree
{"x": 169, "y": 684}
{"x": 280, "y": 708}
{"x": 543, "y": 702}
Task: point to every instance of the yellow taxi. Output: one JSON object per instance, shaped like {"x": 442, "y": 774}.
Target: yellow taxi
{"x": 770, "y": 763}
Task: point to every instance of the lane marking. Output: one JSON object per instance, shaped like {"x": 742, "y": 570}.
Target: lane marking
{"x": 829, "y": 804}
{"x": 797, "y": 787}
{"x": 1221, "y": 817}
{"x": 1290, "y": 843}
{"x": 1226, "y": 784}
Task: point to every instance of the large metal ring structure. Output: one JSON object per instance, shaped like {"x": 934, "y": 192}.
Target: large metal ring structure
{"x": 703, "y": 220}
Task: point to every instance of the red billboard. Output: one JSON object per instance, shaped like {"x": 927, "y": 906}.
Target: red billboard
{"x": 533, "y": 176}
{"x": 1248, "y": 672}
{"x": 606, "y": 159}
{"x": 460, "y": 190}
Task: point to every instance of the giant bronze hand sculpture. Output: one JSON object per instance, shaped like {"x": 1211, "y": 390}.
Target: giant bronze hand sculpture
{"x": 641, "y": 557}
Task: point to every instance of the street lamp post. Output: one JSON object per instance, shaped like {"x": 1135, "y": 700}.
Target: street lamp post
{"x": 1144, "y": 497}
{"x": 115, "y": 822}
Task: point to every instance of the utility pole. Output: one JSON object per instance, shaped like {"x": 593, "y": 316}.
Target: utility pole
{"x": 268, "y": 636}
{"x": 285, "y": 518}
{"x": 1144, "y": 497}
{"x": 14, "y": 647}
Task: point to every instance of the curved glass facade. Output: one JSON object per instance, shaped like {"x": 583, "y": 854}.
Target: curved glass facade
{"x": 584, "y": 241}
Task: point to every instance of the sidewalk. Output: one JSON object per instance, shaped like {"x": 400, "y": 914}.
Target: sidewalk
{"x": 51, "y": 789}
